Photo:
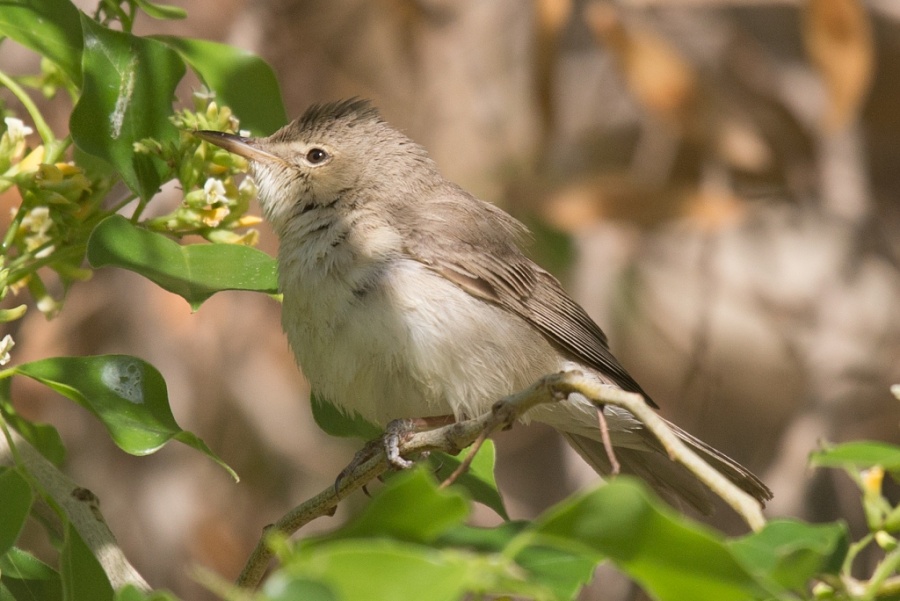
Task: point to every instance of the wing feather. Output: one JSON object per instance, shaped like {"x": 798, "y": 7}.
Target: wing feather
{"x": 478, "y": 251}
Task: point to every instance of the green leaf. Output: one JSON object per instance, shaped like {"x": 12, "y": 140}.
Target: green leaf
{"x": 161, "y": 11}
{"x": 335, "y": 422}
{"x": 25, "y": 566}
{"x": 561, "y": 571}
{"x": 129, "y": 592}
{"x": 282, "y": 587}
{"x": 791, "y": 553}
{"x": 658, "y": 548}
{"x": 478, "y": 480}
{"x": 127, "y": 394}
{"x": 860, "y": 455}
{"x": 43, "y": 437}
{"x": 28, "y": 578}
{"x": 49, "y": 27}
{"x": 129, "y": 85}
{"x": 386, "y": 551}
{"x": 366, "y": 570}
{"x": 83, "y": 577}
{"x": 194, "y": 272}
{"x": 240, "y": 79}
{"x": 15, "y": 499}
{"x": 427, "y": 510}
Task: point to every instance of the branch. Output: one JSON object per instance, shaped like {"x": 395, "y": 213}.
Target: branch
{"x": 81, "y": 507}
{"x": 504, "y": 413}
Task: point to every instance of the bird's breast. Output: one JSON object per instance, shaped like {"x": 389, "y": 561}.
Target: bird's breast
{"x": 393, "y": 339}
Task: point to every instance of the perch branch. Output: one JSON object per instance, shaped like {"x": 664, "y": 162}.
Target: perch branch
{"x": 81, "y": 507}
{"x": 504, "y": 413}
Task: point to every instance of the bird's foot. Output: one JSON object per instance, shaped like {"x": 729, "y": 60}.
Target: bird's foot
{"x": 394, "y": 434}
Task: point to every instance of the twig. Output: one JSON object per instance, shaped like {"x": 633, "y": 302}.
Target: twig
{"x": 448, "y": 438}
{"x": 466, "y": 463}
{"x": 614, "y": 466}
{"x": 460, "y": 435}
{"x": 744, "y": 504}
{"x": 81, "y": 507}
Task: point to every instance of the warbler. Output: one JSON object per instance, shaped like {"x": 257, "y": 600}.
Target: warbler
{"x": 407, "y": 297}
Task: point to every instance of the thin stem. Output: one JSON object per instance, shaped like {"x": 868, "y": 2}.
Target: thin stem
{"x": 25, "y": 264}
{"x": 744, "y": 504}
{"x": 888, "y": 566}
{"x": 13, "y": 229}
{"x": 853, "y": 551}
{"x": 78, "y": 504}
{"x": 43, "y": 129}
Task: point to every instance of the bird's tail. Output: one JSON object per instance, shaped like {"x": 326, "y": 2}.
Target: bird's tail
{"x": 671, "y": 480}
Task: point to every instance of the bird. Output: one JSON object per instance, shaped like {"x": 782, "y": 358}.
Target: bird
{"x": 406, "y": 297}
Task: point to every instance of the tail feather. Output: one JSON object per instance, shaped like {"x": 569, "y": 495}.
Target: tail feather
{"x": 672, "y": 481}
{"x": 669, "y": 479}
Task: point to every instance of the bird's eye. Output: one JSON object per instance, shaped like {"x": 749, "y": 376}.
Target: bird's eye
{"x": 316, "y": 156}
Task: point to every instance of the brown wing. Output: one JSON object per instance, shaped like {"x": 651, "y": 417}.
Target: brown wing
{"x": 477, "y": 249}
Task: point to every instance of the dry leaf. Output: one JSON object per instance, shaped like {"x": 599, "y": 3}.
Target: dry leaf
{"x": 714, "y": 210}
{"x": 575, "y": 206}
{"x": 839, "y": 41}
{"x": 657, "y": 75}
{"x": 551, "y": 17}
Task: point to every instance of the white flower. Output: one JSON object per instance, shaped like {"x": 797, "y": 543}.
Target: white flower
{"x": 47, "y": 305}
{"x": 38, "y": 223}
{"x": 16, "y": 129}
{"x": 214, "y": 191}
{"x": 5, "y": 346}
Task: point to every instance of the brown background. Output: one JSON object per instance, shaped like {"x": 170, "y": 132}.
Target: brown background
{"x": 716, "y": 181}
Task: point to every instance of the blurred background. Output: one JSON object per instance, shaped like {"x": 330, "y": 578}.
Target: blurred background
{"x": 716, "y": 181}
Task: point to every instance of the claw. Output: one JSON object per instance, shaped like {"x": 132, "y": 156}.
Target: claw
{"x": 392, "y": 435}
{"x": 390, "y": 443}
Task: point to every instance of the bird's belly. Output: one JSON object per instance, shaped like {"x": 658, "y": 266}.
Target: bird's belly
{"x": 412, "y": 345}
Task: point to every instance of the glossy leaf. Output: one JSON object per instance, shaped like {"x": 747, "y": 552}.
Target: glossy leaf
{"x": 559, "y": 570}
{"x": 335, "y": 422}
{"x": 478, "y": 480}
{"x": 127, "y": 394}
{"x": 421, "y": 551}
{"x": 82, "y": 575}
{"x": 860, "y": 455}
{"x": 364, "y": 570}
{"x": 658, "y": 548}
{"x": 51, "y": 28}
{"x": 240, "y": 79}
{"x": 194, "y": 272}
{"x": 15, "y": 499}
{"x": 129, "y": 85}
{"x": 791, "y": 553}
{"x": 427, "y": 511}
{"x": 161, "y": 11}
{"x": 131, "y": 593}
{"x": 285, "y": 588}
{"x": 28, "y": 578}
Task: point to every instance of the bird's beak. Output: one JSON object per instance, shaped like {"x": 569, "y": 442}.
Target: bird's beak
{"x": 249, "y": 148}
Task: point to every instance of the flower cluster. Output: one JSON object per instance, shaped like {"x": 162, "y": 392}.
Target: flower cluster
{"x": 214, "y": 203}
{"x": 59, "y": 206}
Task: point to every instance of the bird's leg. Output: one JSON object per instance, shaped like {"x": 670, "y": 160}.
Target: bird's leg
{"x": 395, "y": 431}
